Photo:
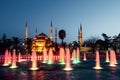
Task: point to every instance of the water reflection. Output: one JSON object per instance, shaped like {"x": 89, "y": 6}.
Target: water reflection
{"x": 37, "y": 75}
{"x": 97, "y": 75}
{"x": 53, "y": 72}
{"x": 68, "y": 75}
{"x": 113, "y": 70}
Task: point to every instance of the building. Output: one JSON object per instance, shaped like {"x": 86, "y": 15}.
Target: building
{"x": 40, "y": 41}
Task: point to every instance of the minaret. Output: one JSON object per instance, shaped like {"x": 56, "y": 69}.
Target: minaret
{"x": 26, "y": 31}
{"x": 36, "y": 33}
{"x": 56, "y": 35}
{"x": 26, "y": 37}
{"x": 80, "y": 34}
{"x": 51, "y": 32}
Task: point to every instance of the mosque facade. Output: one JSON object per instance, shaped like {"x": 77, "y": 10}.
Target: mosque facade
{"x": 42, "y": 40}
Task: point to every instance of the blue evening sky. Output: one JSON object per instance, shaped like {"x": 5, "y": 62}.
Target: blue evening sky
{"x": 96, "y": 17}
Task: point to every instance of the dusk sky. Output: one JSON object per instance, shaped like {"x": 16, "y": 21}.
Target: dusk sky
{"x": 96, "y": 17}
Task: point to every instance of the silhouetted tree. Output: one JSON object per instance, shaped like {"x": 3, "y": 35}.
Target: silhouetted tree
{"x": 91, "y": 43}
{"x": 100, "y": 44}
{"x": 16, "y": 42}
{"x": 107, "y": 41}
{"x": 62, "y": 35}
{"x": 29, "y": 43}
{"x": 5, "y": 43}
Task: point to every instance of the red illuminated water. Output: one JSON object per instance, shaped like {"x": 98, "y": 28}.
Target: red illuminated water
{"x": 50, "y": 56}
{"x": 112, "y": 59}
{"x": 62, "y": 55}
{"x": 34, "y": 61}
{"x": 6, "y": 58}
{"x": 14, "y": 60}
{"x": 45, "y": 55}
{"x": 19, "y": 57}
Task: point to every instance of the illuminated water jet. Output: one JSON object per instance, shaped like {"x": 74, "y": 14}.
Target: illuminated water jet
{"x": 78, "y": 55}
{"x": 9, "y": 58}
{"x": 44, "y": 55}
{"x": 115, "y": 60}
{"x": 50, "y": 56}
{"x": 74, "y": 56}
{"x": 68, "y": 61}
{"x": 34, "y": 61}
{"x": 19, "y": 57}
{"x": 14, "y": 60}
{"x": 112, "y": 59}
{"x": 97, "y": 65}
{"x": 62, "y": 55}
{"x": 107, "y": 57}
{"x": 84, "y": 56}
{"x": 6, "y": 58}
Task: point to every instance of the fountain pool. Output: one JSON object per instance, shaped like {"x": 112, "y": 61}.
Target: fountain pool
{"x": 81, "y": 71}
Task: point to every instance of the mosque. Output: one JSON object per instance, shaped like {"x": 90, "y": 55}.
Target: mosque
{"x": 42, "y": 40}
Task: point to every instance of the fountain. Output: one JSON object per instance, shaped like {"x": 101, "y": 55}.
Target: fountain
{"x": 97, "y": 66}
{"x": 84, "y": 57}
{"x": 34, "y": 61}
{"x": 115, "y": 60}
{"x": 74, "y": 57}
{"x": 44, "y": 55}
{"x": 112, "y": 58}
{"x": 14, "y": 60}
{"x": 50, "y": 56}
{"x": 19, "y": 57}
{"x": 62, "y": 55}
{"x": 9, "y": 58}
{"x": 6, "y": 58}
{"x": 107, "y": 57}
{"x": 68, "y": 61}
{"x": 78, "y": 55}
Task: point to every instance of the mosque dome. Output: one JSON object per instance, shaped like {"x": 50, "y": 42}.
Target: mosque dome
{"x": 39, "y": 42}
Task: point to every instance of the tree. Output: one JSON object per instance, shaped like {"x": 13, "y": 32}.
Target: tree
{"x": 16, "y": 42}
{"x": 5, "y": 43}
{"x": 91, "y": 42}
{"x": 62, "y": 35}
{"x": 107, "y": 41}
{"x": 29, "y": 44}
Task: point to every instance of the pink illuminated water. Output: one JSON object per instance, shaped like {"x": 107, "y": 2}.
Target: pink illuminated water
{"x": 107, "y": 57}
{"x": 44, "y": 55}
{"x": 97, "y": 65}
{"x": 9, "y": 58}
{"x": 34, "y": 61}
{"x": 6, "y": 58}
{"x": 74, "y": 57}
{"x": 68, "y": 60}
{"x": 14, "y": 60}
{"x": 84, "y": 56}
{"x": 112, "y": 58}
{"x": 50, "y": 56}
{"x": 19, "y": 57}
{"x": 78, "y": 55}
{"x": 115, "y": 60}
{"x": 62, "y": 55}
